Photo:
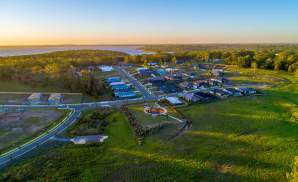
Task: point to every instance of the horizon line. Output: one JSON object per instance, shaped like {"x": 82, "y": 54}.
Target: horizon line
{"x": 144, "y": 44}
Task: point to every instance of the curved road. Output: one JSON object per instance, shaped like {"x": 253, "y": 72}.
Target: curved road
{"x": 34, "y": 143}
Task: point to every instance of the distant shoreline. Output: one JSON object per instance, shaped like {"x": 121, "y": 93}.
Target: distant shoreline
{"x": 8, "y": 51}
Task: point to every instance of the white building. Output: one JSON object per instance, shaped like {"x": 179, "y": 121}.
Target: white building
{"x": 174, "y": 100}
{"x": 105, "y": 68}
{"x": 35, "y": 98}
{"x": 89, "y": 139}
{"x": 55, "y": 98}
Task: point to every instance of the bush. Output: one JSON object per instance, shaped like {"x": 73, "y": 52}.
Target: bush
{"x": 293, "y": 176}
{"x": 294, "y": 117}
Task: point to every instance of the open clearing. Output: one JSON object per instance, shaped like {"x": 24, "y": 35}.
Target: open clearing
{"x": 17, "y": 127}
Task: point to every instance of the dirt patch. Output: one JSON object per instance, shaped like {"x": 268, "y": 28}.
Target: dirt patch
{"x": 17, "y": 126}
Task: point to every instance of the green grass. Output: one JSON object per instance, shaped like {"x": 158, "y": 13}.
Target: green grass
{"x": 274, "y": 78}
{"x": 238, "y": 139}
{"x": 14, "y": 86}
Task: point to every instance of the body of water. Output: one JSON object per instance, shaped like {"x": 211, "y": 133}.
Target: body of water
{"x": 29, "y": 50}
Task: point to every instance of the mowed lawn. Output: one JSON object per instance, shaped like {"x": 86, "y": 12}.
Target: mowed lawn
{"x": 238, "y": 139}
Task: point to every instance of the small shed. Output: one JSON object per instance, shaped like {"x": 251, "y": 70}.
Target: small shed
{"x": 105, "y": 68}
{"x": 55, "y": 98}
{"x": 35, "y": 98}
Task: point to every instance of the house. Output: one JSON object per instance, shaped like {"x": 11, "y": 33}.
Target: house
{"x": 217, "y": 60}
{"x": 113, "y": 79}
{"x": 215, "y": 82}
{"x": 144, "y": 71}
{"x": 186, "y": 85}
{"x": 179, "y": 62}
{"x": 125, "y": 95}
{"x": 218, "y": 70}
{"x": 205, "y": 67}
{"x": 172, "y": 70}
{"x": 201, "y": 85}
{"x": 122, "y": 87}
{"x": 174, "y": 77}
{"x": 90, "y": 139}
{"x": 35, "y": 98}
{"x": 191, "y": 97}
{"x": 161, "y": 72}
{"x": 247, "y": 91}
{"x": 174, "y": 100}
{"x": 234, "y": 92}
{"x": 105, "y": 68}
{"x": 168, "y": 88}
{"x": 55, "y": 98}
{"x": 220, "y": 92}
{"x": 116, "y": 83}
{"x": 152, "y": 64}
{"x": 157, "y": 81}
{"x": 205, "y": 96}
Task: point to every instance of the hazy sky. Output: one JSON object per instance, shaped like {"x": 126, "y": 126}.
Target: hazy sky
{"x": 28, "y": 22}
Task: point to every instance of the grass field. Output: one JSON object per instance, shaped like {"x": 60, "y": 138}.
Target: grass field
{"x": 237, "y": 139}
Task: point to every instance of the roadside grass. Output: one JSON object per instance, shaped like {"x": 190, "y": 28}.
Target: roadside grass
{"x": 237, "y": 139}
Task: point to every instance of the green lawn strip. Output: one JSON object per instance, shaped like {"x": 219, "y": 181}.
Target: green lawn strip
{"x": 14, "y": 86}
{"x": 35, "y": 136}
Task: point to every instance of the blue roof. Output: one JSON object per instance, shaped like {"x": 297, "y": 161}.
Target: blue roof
{"x": 120, "y": 87}
{"x": 125, "y": 94}
{"x": 161, "y": 72}
{"x": 113, "y": 79}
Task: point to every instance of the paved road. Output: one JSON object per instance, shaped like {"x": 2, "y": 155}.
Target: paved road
{"x": 146, "y": 93}
{"x": 36, "y": 142}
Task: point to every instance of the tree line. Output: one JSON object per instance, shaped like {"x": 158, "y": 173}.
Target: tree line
{"x": 267, "y": 57}
{"x": 68, "y": 69}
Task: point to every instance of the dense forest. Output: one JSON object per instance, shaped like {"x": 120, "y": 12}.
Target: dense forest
{"x": 274, "y": 57}
{"x": 69, "y": 69}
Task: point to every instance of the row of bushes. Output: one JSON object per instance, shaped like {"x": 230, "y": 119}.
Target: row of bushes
{"x": 139, "y": 132}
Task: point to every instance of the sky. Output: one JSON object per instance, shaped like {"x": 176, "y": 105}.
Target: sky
{"x": 53, "y": 22}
